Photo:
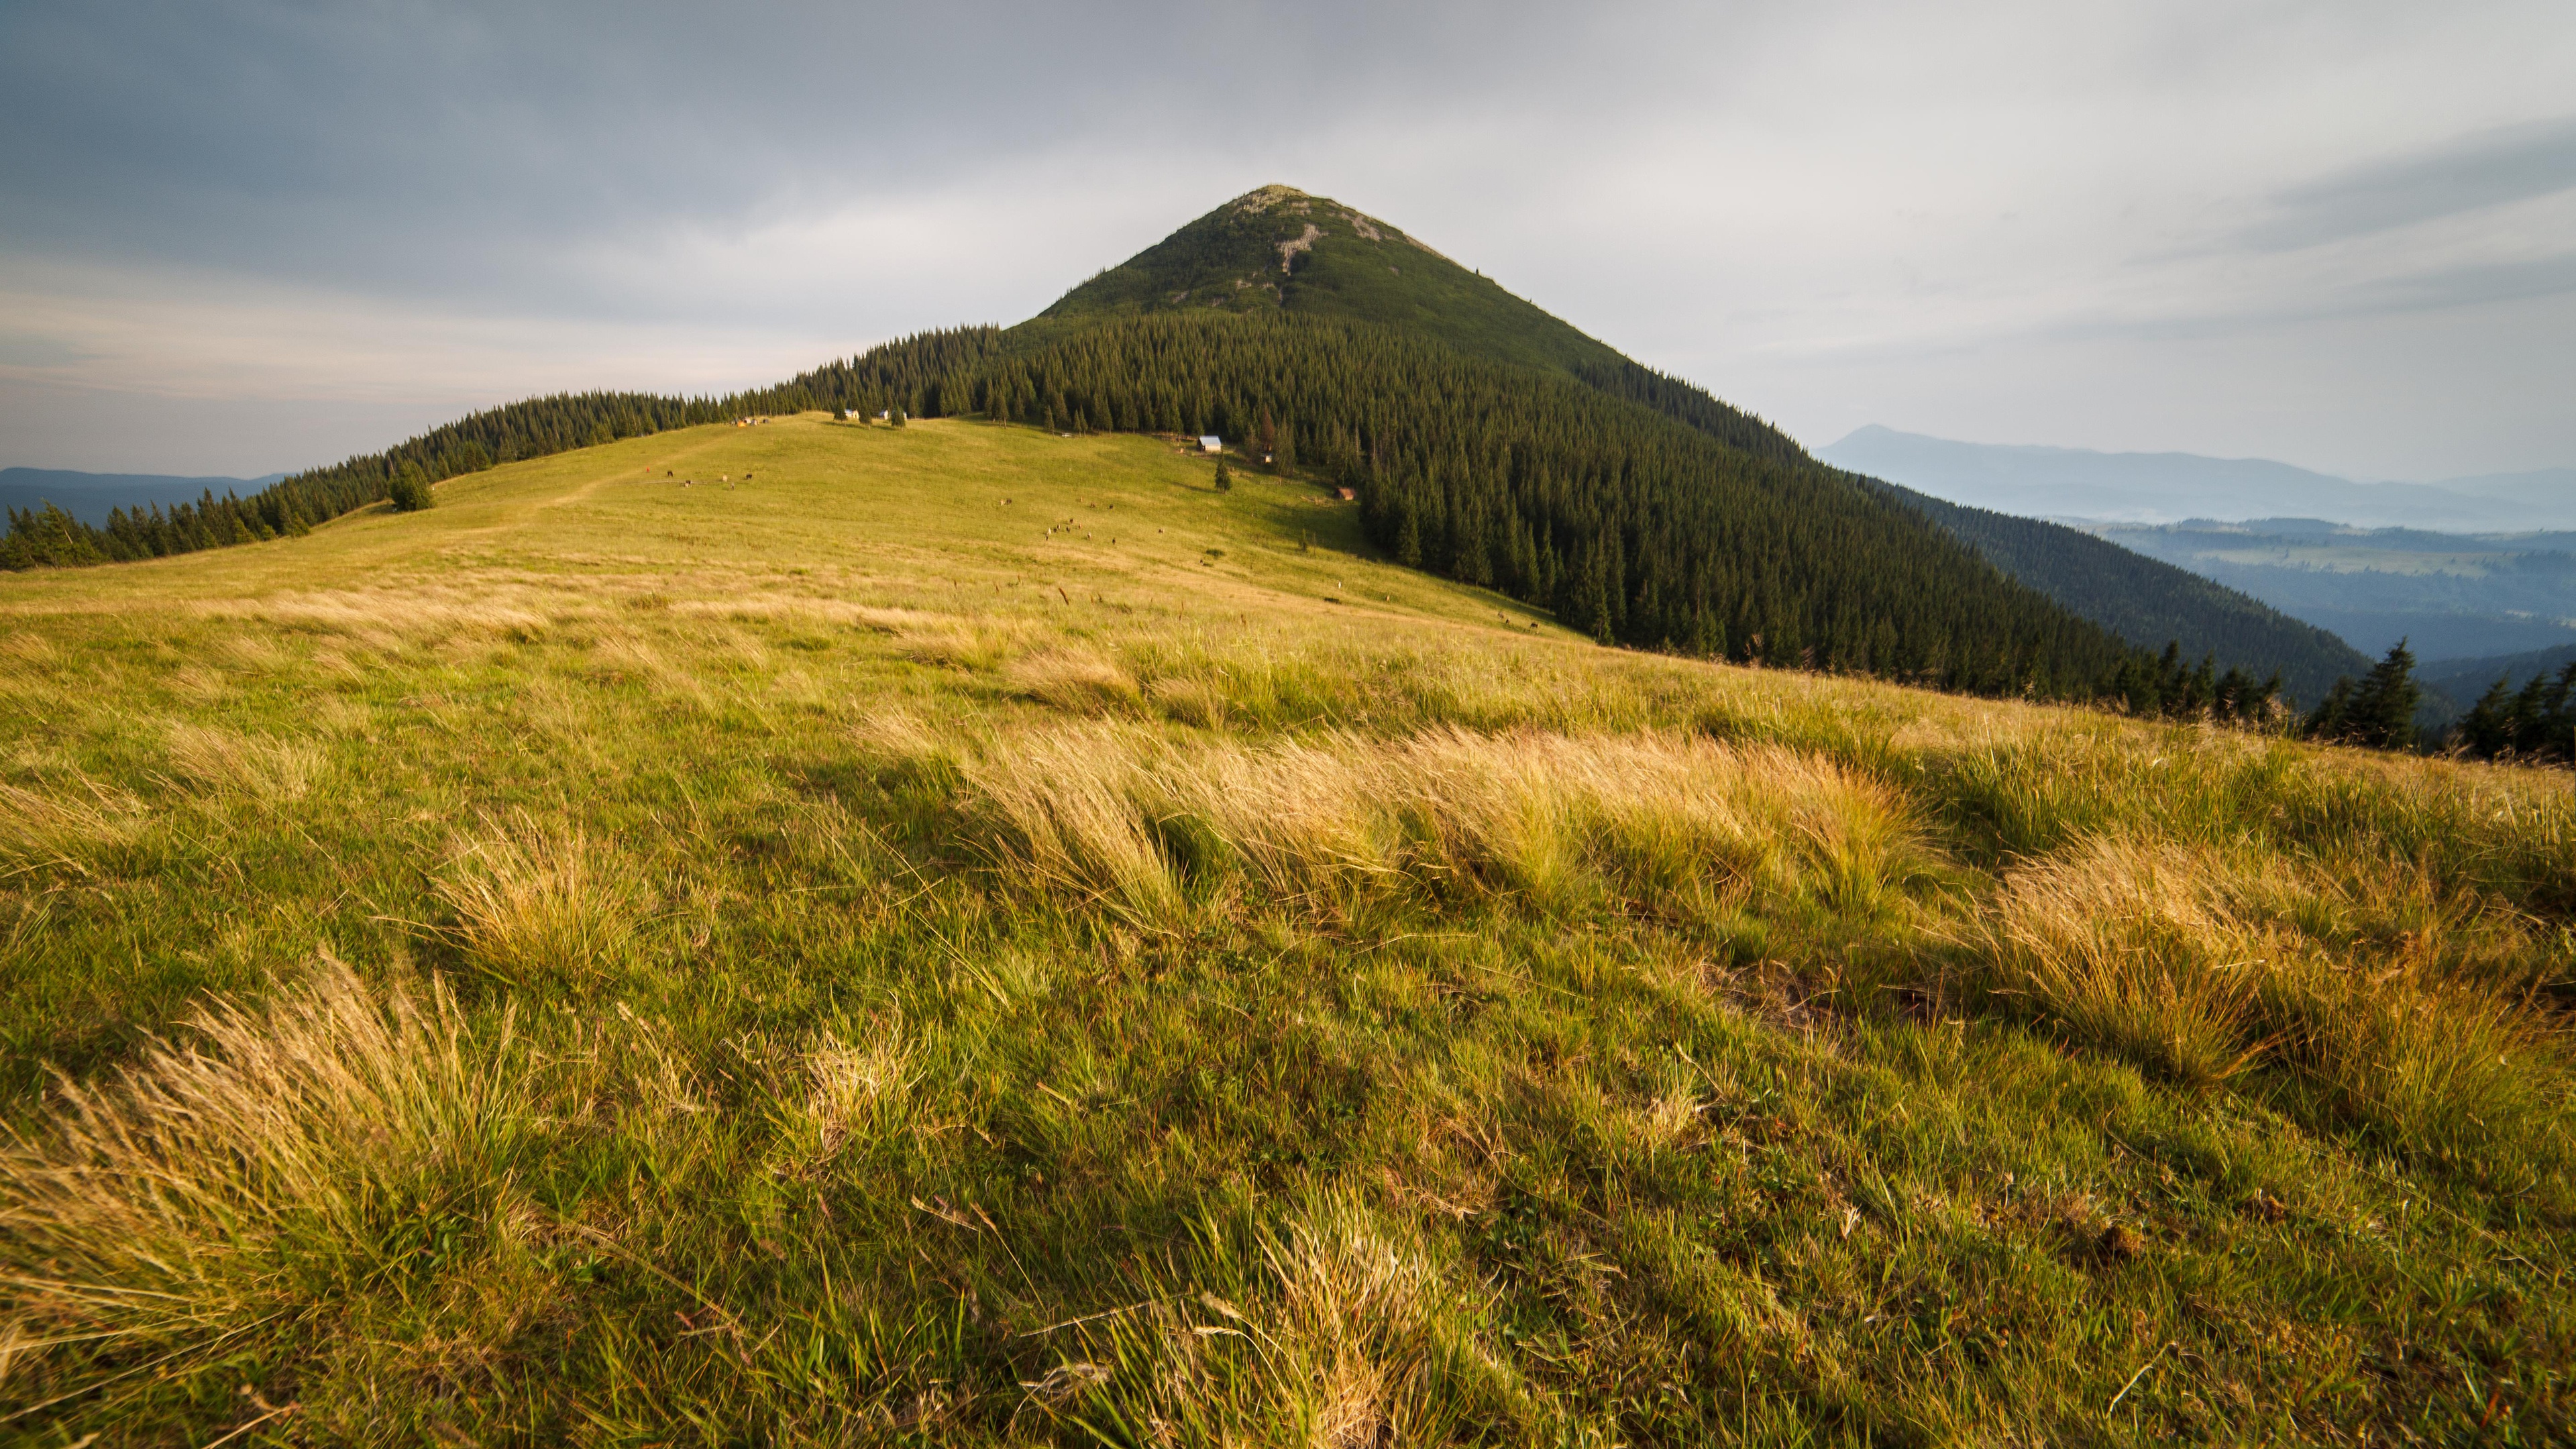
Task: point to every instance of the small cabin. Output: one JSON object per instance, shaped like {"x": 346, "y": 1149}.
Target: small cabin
{"x": 1211, "y": 443}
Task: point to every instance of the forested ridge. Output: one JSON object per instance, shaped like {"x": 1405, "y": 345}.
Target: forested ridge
{"x": 1489, "y": 441}
{"x": 1632, "y": 525}
{"x": 2140, "y": 598}
{"x": 1629, "y": 527}
{"x": 535, "y": 428}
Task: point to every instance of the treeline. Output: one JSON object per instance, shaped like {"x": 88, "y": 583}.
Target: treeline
{"x": 928, "y": 375}
{"x": 531, "y": 429}
{"x": 1630, "y": 528}
{"x": 2536, "y": 722}
{"x": 2165, "y": 686}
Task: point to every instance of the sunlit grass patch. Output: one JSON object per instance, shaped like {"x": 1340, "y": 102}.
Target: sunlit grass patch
{"x": 73, "y": 824}
{"x": 236, "y": 1169}
{"x": 1334, "y": 1330}
{"x": 532, "y": 901}
{"x": 1672, "y": 824}
{"x": 2407, "y": 1011}
{"x": 227, "y": 762}
{"x": 1076, "y": 681}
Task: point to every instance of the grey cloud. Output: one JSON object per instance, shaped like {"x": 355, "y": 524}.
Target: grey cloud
{"x": 426, "y": 148}
{"x": 2490, "y": 168}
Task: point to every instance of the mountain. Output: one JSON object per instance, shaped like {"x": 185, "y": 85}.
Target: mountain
{"x": 2549, "y": 491}
{"x": 90, "y": 497}
{"x": 2143, "y": 598}
{"x": 2171, "y": 487}
{"x": 2453, "y": 595}
{"x": 1489, "y": 442}
{"x": 1279, "y": 249}
{"x": 2463, "y": 680}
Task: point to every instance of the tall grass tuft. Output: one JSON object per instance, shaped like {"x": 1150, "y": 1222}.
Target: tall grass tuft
{"x": 1334, "y": 1332}
{"x": 531, "y": 901}
{"x": 234, "y": 1171}
{"x": 1667, "y": 823}
{"x": 224, "y": 762}
{"x": 2396, "y": 1007}
{"x": 40, "y": 830}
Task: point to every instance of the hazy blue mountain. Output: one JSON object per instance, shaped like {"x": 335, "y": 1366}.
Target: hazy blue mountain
{"x": 2171, "y": 487}
{"x": 2465, "y": 679}
{"x": 2142, "y": 598}
{"x": 2454, "y": 596}
{"x": 90, "y": 496}
{"x": 2547, "y": 490}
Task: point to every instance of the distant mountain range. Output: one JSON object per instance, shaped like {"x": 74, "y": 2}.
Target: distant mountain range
{"x": 2464, "y": 680}
{"x": 90, "y": 497}
{"x": 2451, "y": 595}
{"x": 2076, "y": 483}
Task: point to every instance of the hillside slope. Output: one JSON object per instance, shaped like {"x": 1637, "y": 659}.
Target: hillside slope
{"x": 1281, "y": 249}
{"x": 1671, "y": 522}
{"x": 807, "y": 934}
{"x": 2141, "y": 598}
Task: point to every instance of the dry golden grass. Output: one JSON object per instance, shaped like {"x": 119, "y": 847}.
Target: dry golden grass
{"x": 1332, "y": 1332}
{"x": 1662, "y": 822}
{"x": 67, "y": 826}
{"x": 534, "y": 901}
{"x": 182, "y": 1199}
{"x": 1074, "y": 680}
{"x": 978, "y": 645}
{"x": 2408, "y": 1007}
{"x": 853, "y": 1093}
{"x": 222, "y": 761}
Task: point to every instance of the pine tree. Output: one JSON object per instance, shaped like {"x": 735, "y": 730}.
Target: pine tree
{"x": 1224, "y": 477}
{"x": 2379, "y": 711}
{"x": 2383, "y": 708}
{"x": 410, "y": 492}
{"x": 2488, "y": 730}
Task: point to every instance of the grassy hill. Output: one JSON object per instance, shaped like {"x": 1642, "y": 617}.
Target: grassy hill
{"x": 960, "y": 935}
{"x": 1491, "y": 443}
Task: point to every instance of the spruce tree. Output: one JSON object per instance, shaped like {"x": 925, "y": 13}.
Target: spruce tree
{"x": 1224, "y": 477}
{"x": 2383, "y": 708}
{"x": 2488, "y": 731}
{"x": 410, "y": 492}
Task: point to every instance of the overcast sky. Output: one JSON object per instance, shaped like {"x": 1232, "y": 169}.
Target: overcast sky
{"x": 243, "y": 237}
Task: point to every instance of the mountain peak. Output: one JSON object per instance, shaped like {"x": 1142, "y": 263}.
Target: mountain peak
{"x": 1278, "y": 247}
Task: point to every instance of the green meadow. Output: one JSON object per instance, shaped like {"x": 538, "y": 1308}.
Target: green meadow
{"x": 960, "y": 935}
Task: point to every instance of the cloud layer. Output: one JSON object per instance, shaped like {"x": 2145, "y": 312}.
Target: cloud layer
{"x": 2343, "y": 234}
